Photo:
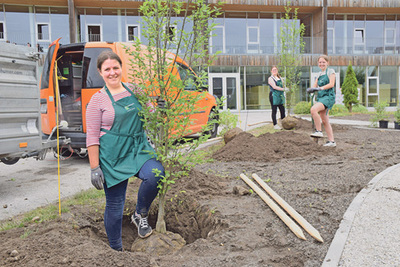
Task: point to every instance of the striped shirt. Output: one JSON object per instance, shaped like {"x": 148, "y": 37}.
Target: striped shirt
{"x": 100, "y": 114}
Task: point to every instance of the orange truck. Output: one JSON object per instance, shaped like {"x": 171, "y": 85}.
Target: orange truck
{"x": 70, "y": 78}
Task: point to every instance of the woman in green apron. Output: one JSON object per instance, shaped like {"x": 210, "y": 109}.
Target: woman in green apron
{"x": 118, "y": 149}
{"x": 325, "y": 100}
{"x": 276, "y": 96}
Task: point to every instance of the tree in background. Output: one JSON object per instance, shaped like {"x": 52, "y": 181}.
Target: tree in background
{"x": 349, "y": 88}
{"x": 174, "y": 30}
{"x": 291, "y": 49}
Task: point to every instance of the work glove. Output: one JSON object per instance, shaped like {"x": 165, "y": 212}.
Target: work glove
{"x": 287, "y": 90}
{"x": 161, "y": 103}
{"x": 313, "y": 89}
{"x": 97, "y": 178}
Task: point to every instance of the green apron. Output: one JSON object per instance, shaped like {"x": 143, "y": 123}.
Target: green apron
{"x": 326, "y": 97}
{"x": 278, "y": 97}
{"x": 124, "y": 148}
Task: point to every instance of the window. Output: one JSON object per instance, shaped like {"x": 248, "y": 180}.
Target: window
{"x": 90, "y": 75}
{"x": 133, "y": 33}
{"x": 2, "y": 34}
{"x": 188, "y": 77}
{"x": 253, "y": 39}
{"x": 171, "y": 32}
{"x": 390, "y": 36}
{"x": 218, "y": 40}
{"x": 93, "y": 33}
{"x": 359, "y": 36}
{"x": 43, "y": 32}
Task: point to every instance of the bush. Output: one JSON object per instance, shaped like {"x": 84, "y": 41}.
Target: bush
{"x": 338, "y": 109}
{"x": 380, "y": 112}
{"x": 227, "y": 121}
{"x": 359, "y": 109}
{"x": 302, "y": 107}
{"x": 397, "y": 115}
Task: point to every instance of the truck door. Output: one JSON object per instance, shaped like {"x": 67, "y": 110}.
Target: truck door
{"x": 47, "y": 89}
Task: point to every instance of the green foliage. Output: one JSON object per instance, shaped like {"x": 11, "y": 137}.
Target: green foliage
{"x": 349, "y": 88}
{"x": 359, "y": 109}
{"x": 397, "y": 115}
{"x": 227, "y": 121}
{"x": 291, "y": 47}
{"x": 302, "y": 107}
{"x": 338, "y": 109}
{"x": 153, "y": 69}
{"x": 380, "y": 112}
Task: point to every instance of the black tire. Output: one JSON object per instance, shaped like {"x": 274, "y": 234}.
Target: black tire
{"x": 9, "y": 160}
{"x": 214, "y": 128}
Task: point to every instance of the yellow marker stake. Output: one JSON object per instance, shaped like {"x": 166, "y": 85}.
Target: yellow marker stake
{"x": 308, "y": 227}
{"x": 58, "y": 140}
{"x": 281, "y": 214}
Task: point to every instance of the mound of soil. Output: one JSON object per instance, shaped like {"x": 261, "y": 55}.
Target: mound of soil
{"x": 223, "y": 226}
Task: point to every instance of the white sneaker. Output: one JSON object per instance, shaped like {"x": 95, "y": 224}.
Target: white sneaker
{"x": 317, "y": 134}
{"x": 330, "y": 144}
{"x": 277, "y": 127}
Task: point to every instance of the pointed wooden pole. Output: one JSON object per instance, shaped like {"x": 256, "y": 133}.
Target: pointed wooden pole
{"x": 308, "y": 227}
{"x": 281, "y": 214}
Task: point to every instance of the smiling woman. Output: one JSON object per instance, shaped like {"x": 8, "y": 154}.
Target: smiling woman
{"x": 118, "y": 149}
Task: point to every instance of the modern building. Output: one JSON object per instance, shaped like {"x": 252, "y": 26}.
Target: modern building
{"x": 365, "y": 33}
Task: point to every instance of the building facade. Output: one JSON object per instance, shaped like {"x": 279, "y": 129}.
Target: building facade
{"x": 363, "y": 33}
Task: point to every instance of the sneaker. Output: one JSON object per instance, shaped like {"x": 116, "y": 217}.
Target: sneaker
{"x": 330, "y": 143}
{"x": 144, "y": 229}
{"x": 317, "y": 134}
{"x": 277, "y": 127}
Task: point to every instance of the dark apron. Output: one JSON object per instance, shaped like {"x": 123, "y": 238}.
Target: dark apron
{"x": 124, "y": 148}
{"x": 278, "y": 97}
{"x": 326, "y": 97}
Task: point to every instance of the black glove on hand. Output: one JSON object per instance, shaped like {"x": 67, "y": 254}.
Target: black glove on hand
{"x": 313, "y": 89}
{"x": 97, "y": 177}
{"x": 161, "y": 103}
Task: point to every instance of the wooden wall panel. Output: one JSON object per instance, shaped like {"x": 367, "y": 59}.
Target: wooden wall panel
{"x": 307, "y": 60}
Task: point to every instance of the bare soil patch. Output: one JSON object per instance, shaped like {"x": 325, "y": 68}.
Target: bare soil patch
{"x": 222, "y": 227}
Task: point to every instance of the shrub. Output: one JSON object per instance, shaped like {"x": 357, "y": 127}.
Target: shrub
{"x": 397, "y": 115}
{"x": 360, "y": 109}
{"x": 338, "y": 109}
{"x": 380, "y": 112}
{"x": 227, "y": 121}
{"x": 302, "y": 107}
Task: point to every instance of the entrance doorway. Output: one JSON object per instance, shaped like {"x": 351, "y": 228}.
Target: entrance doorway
{"x": 225, "y": 85}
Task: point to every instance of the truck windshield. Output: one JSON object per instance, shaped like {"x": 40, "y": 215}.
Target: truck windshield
{"x": 44, "y": 83}
{"x": 90, "y": 75}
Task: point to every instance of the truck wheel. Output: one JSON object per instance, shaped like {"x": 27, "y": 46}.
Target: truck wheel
{"x": 9, "y": 160}
{"x": 214, "y": 127}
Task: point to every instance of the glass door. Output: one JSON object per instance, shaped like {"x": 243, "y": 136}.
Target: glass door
{"x": 372, "y": 91}
{"x": 225, "y": 85}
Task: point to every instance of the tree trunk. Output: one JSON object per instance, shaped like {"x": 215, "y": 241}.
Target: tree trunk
{"x": 161, "y": 227}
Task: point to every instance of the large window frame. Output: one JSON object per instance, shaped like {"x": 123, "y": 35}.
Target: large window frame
{"x": 88, "y": 36}
{"x": 40, "y": 36}
{"x": 129, "y": 36}
{"x": 255, "y": 43}
{"x": 212, "y": 51}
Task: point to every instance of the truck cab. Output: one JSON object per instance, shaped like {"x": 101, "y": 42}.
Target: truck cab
{"x": 70, "y": 78}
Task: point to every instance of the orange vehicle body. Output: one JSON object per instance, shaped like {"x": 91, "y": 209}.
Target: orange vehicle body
{"x": 70, "y": 78}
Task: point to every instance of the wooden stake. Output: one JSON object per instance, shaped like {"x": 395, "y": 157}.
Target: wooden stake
{"x": 257, "y": 123}
{"x": 278, "y": 211}
{"x": 308, "y": 227}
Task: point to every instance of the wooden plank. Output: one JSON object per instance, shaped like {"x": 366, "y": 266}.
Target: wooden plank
{"x": 278, "y": 211}
{"x": 295, "y": 215}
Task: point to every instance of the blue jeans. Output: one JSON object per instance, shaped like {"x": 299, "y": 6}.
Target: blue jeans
{"x": 115, "y": 200}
